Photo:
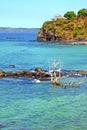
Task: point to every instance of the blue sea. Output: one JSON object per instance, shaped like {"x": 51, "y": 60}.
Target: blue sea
{"x": 26, "y": 105}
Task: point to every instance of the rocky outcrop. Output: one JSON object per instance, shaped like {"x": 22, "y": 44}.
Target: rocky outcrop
{"x": 39, "y": 73}
{"x": 38, "y": 69}
{"x": 82, "y": 73}
{"x": 46, "y": 36}
{"x": 2, "y": 74}
{"x": 63, "y": 30}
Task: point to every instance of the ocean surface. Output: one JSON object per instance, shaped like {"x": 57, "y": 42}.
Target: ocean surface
{"x": 26, "y": 105}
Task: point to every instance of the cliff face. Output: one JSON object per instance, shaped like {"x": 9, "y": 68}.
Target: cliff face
{"x": 64, "y": 30}
{"x": 44, "y": 35}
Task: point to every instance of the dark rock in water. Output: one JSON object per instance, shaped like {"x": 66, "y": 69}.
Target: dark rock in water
{"x": 80, "y": 72}
{"x": 38, "y": 69}
{"x": 11, "y": 74}
{"x": 2, "y": 73}
{"x": 39, "y": 73}
{"x": 1, "y": 126}
{"x": 11, "y": 66}
{"x": 25, "y": 73}
{"x": 45, "y": 75}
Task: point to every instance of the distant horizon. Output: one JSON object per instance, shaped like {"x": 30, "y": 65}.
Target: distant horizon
{"x": 21, "y": 27}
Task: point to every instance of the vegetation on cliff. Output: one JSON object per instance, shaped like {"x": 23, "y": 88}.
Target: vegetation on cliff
{"x": 71, "y": 28}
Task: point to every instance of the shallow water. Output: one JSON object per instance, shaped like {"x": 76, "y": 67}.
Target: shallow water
{"x": 28, "y": 55}
{"x": 25, "y": 105}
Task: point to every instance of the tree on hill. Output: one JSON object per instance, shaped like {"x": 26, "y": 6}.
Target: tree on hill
{"x": 82, "y": 13}
{"x": 70, "y": 15}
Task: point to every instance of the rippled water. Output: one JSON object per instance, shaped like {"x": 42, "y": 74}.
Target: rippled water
{"x": 25, "y": 105}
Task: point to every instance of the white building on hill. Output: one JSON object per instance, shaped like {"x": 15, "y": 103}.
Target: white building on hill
{"x": 58, "y": 16}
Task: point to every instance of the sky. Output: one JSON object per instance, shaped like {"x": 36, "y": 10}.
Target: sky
{"x": 33, "y": 13}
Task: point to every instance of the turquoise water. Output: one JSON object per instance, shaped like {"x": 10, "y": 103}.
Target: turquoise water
{"x": 25, "y": 105}
{"x": 28, "y": 55}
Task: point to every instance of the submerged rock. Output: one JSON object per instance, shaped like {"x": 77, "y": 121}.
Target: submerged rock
{"x": 1, "y": 126}
{"x": 11, "y": 66}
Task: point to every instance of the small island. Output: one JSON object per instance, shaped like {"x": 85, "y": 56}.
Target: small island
{"x": 71, "y": 28}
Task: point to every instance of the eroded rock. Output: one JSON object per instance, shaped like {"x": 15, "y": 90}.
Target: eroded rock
{"x": 39, "y": 73}
{"x": 2, "y": 73}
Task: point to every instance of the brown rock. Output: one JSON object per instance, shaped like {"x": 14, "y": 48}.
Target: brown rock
{"x": 38, "y": 69}
{"x": 2, "y": 73}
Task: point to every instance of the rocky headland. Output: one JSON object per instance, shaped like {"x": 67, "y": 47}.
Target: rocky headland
{"x": 69, "y": 29}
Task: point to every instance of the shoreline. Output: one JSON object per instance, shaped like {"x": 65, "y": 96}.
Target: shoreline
{"x": 78, "y": 42}
{"x": 72, "y": 42}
